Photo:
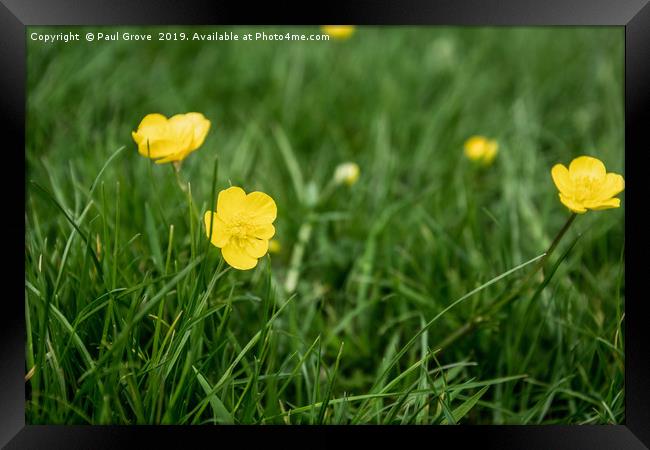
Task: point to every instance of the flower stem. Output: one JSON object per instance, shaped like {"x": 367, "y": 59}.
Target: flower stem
{"x": 296, "y": 257}
{"x": 555, "y": 242}
{"x": 498, "y": 305}
{"x": 176, "y": 167}
{"x": 486, "y": 315}
{"x": 187, "y": 190}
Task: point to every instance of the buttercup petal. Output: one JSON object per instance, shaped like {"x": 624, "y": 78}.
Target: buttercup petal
{"x": 154, "y": 119}
{"x": 220, "y": 235}
{"x": 153, "y": 126}
{"x": 338, "y": 31}
{"x": 152, "y": 147}
{"x": 201, "y": 127}
{"x": 572, "y": 205}
{"x": 176, "y": 156}
{"x": 255, "y": 248}
{"x": 474, "y": 147}
{"x": 605, "y": 204}
{"x": 181, "y": 128}
{"x": 261, "y": 207}
{"x": 611, "y": 186}
{"x": 561, "y": 178}
{"x": 491, "y": 148}
{"x": 586, "y": 166}
{"x": 237, "y": 257}
{"x": 230, "y": 202}
{"x": 265, "y": 231}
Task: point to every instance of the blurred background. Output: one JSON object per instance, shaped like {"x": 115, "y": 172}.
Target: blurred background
{"x": 420, "y": 228}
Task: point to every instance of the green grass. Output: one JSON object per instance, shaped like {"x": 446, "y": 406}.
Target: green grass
{"x": 132, "y": 317}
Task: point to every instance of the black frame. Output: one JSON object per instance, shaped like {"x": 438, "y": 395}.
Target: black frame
{"x": 633, "y": 15}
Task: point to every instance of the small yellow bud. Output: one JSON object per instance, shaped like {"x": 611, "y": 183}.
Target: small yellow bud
{"x": 347, "y": 173}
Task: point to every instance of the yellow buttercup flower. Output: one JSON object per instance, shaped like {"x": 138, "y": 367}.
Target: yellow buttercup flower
{"x": 338, "y": 31}
{"x": 587, "y": 185}
{"x": 242, "y": 226}
{"x": 168, "y": 140}
{"x": 275, "y": 246}
{"x": 481, "y": 149}
{"x": 347, "y": 173}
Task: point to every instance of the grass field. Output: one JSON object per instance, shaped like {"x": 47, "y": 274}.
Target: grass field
{"x": 132, "y": 317}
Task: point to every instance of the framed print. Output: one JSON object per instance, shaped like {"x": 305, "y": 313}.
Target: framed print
{"x": 245, "y": 223}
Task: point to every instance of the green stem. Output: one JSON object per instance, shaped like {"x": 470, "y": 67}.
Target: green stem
{"x": 486, "y": 314}
{"x": 497, "y": 306}
{"x": 161, "y": 306}
{"x": 193, "y": 211}
{"x": 176, "y": 168}
{"x": 296, "y": 257}
{"x": 555, "y": 242}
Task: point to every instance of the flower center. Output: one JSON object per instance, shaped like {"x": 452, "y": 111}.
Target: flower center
{"x": 585, "y": 187}
{"x": 240, "y": 226}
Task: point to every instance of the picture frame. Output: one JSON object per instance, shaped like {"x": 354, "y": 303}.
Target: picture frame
{"x": 633, "y": 15}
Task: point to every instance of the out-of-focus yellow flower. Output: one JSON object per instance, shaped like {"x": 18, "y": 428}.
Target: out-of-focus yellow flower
{"x": 169, "y": 140}
{"x": 481, "y": 149}
{"x": 274, "y": 246}
{"x": 98, "y": 246}
{"x": 347, "y": 173}
{"x": 338, "y": 31}
{"x": 587, "y": 185}
{"x": 241, "y": 226}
